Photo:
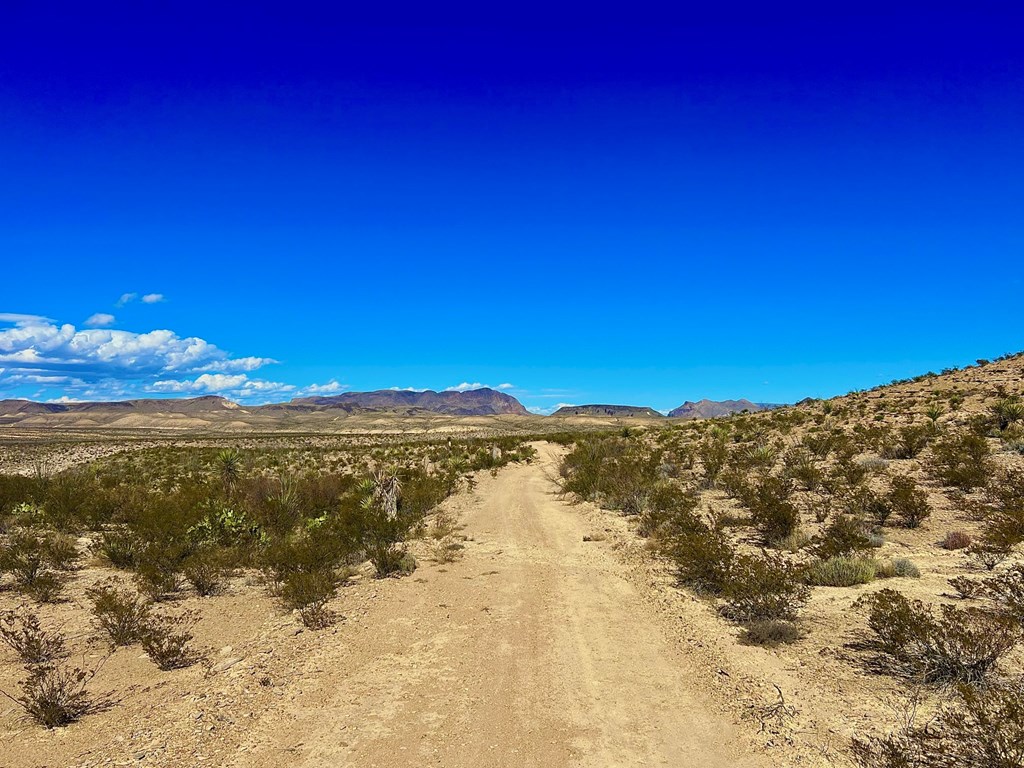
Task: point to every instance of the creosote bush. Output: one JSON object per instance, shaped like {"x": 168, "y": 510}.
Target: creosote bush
{"x": 167, "y": 640}
{"x": 908, "y": 502}
{"x": 982, "y": 728}
{"x": 56, "y": 695}
{"x": 961, "y": 460}
{"x": 772, "y": 509}
{"x": 120, "y": 613}
{"x": 22, "y": 633}
{"x": 764, "y": 587}
{"x": 957, "y": 645}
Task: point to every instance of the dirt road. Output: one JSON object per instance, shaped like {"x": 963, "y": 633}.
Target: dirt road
{"x": 532, "y": 650}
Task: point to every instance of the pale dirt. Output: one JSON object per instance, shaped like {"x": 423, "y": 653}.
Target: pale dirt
{"x": 532, "y": 650}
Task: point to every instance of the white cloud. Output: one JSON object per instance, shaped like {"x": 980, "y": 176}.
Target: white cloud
{"x": 42, "y": 345}
{"x": 464, "y": 387}
{"x": 550, "y": 409}
{"x": 153, "y": 298}
{"x": 126, "y": 298}
{"x": 332, "y": 387}
{"x": 99, "y": 320}
{"x": 505, "y": 386}
{"x": 238, "y": 384}
{"x": 65, "y": 399}
{"x": 21, "y": 320}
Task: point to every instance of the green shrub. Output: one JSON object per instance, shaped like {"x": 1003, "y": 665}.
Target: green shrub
{"x": 1007, "y": 590}
{"x": 120, "y": 548}
{"x": 841, "y": 571}
{"x": 908, "y": 502}
{"x": 909, "y": 441}
{"x": 167, "y": 640}
{"x": 961, "y": 460}
{"x": 763, "y": 587}
{"x": 772, "y": 510}
{"x": 308, "y": 592}
{"x": 119, "y": 613}
{"x": 844, "y": 535}
{"x": 703, "y": 555}
{"x": 38, "y": 563}
{"x": 56, "y": 695}
{"x": 204, "y": 570}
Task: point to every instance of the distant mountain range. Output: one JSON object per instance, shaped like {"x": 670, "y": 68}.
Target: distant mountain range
{"x": 473, "y": 402}
{"x": 312, "y": 413}
{"x": 615, "y": 411}
{"x": 711, "y": 409}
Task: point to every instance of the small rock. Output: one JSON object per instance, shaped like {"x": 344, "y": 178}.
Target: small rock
{"x": 226, "y": 664}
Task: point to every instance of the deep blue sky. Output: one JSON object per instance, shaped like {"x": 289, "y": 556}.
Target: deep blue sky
{"x": 617, "y": 206}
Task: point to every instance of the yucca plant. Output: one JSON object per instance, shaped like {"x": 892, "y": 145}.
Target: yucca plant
{"x": 1008, "y": 411}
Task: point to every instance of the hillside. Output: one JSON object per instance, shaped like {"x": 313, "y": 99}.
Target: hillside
{"x": 615, "y": 411}
{"x": 713, "y": 409}
{"x": 475, "y": 402}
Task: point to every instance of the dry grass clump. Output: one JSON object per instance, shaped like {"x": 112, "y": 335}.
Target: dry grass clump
{"x": 841, "y": 571}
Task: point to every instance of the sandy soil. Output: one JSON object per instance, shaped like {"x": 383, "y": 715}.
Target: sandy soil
{"x": 535, "y": 648}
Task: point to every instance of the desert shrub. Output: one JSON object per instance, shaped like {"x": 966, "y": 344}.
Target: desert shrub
{"x": 1007, "y": 590}
{"x": 713, "y": 454}
{"x": 119, "y": 613}
{"x": 908, "y": 442}
{"x": 956, "y": 540}
{"x": 961, "y": 460}
{"x": 1003, "y": 510}
{"x": 772, "y": 510}
{"x": 898, "y": 568}
{"x": 37, "y": 562}
{"x": 803, "y": 468}
{"x": 1007, "y": 412}
{"x": 844, "y": 535}
{"x": 167, "y": 640}
{"x": 796, "y": 541}
{"x": 958, "y": 645}
{"x": 667, "y": 502}
{"x": 56, "y": 695}
{"x": 120, "y": 548}
{"x": 204, "y": 570}
{"x": 770, "y": 633}
{"x": 967, "y": 589}
{"x": 908, "y": 502}
{"x": 840, "y": 571}
{"x": 702, "y": 554}
{"x": 983, "y": 728}
{"x": 763, "y": 587}
{"x": 35, "y": 646}
{"x": 309, "y": 592}
{"x": 443, "y": 526}
{"x": 380, "y": 523}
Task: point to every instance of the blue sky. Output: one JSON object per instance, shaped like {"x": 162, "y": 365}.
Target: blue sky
{"x": 635, "y": 208}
